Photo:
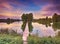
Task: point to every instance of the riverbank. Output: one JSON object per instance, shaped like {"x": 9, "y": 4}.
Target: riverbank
{"x": 10, "y": 39}
{"x": 16, "y": 39}
{"x": 44, "y": 40}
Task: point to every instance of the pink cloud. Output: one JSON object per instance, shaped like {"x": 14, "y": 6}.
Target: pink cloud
{"x": 47, "y": 10}
{"x": 8, "y": 11}
{"x": 6, "y": 5}
{"x": 11, "y": 14}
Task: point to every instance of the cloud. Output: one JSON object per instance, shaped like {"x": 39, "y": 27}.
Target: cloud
{"x": 6, "y": 6}
{"x": 56, "y": 2}
{"x": 13, "y": 14}
{"x": 47, "y": 10}
{"x": 25, "y": 5}
{"x": 38, "y": 7}
{"x": 42, "y": 2}
{"x": 8, "y": 10}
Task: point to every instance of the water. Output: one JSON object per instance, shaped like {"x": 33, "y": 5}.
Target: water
{"x": 38, "y": 29}
{"x": 16, "y": 26}
{"x": 25, "y": 33}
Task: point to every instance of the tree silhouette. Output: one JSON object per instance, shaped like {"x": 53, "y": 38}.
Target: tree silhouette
{"x": 24, "y": 19}
{"x": 54, "y": 17}
{"x": 27, "y": 18}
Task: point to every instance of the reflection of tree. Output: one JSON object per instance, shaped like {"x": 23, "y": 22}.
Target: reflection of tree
{"x": 59, "y": 33}
{"x": 24, "y": 19}
{"x": 56, "y": 25}
{"x": 27, "y": 18}
{"x": 30, "y": 26}
{"x": 45, "y": 21}
{"x": 23, "y": 25}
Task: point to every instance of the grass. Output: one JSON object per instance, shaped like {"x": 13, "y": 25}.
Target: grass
{"x": 37, "y": 40}
{"x": 16, "y": 39}
{"x": 10, "y": 39}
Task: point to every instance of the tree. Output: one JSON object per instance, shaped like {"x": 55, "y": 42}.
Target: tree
{"x": 27, "y": 18}
{"x": 54, "y": 17}
{"x": 30, "y": 18}
{"x": 24, "y": 19}
{"x": 8, "y": 20}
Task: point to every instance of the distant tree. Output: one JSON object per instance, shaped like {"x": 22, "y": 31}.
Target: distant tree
{"x": 54, "y": 17}
{"x": 58, "y": 18}
{"x": 46, "y": 18}
{"x": 8, "y": 20}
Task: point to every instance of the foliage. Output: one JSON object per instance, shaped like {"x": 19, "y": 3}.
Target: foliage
{"x": 56, "y": 18}
{"x": 27, "y": 18}
{"x": 37, "y": 40}
{"x": 10, "y": 39}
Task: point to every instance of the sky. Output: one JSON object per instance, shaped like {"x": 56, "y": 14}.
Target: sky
{"x": 39, "y": 8}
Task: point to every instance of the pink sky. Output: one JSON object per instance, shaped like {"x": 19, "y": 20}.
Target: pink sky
{"x": 39, "y": 8}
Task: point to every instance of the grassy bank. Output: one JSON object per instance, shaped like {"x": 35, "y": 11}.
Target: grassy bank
{"x": 10, "y": 39}
{"x": 16, "y": 39}
{"x": 37, "y": 40}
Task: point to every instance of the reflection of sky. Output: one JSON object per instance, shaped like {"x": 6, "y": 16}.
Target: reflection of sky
{"x": 42, "y": 30}
{"x": 16, "y": 26}
{"x": 39, "y": 29}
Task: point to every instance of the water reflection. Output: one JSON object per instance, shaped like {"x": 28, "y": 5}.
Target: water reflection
{"x": 16, "y": 26}
{"x": 38, "y": 29}
{"x": 25, "y": 33}
{"x": 25, "y": 42}
{"x": 56, "y": 25}
{"x": 42, "y": 31}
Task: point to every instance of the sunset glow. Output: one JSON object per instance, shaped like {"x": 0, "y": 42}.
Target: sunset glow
{"x": 39, "y": 8}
